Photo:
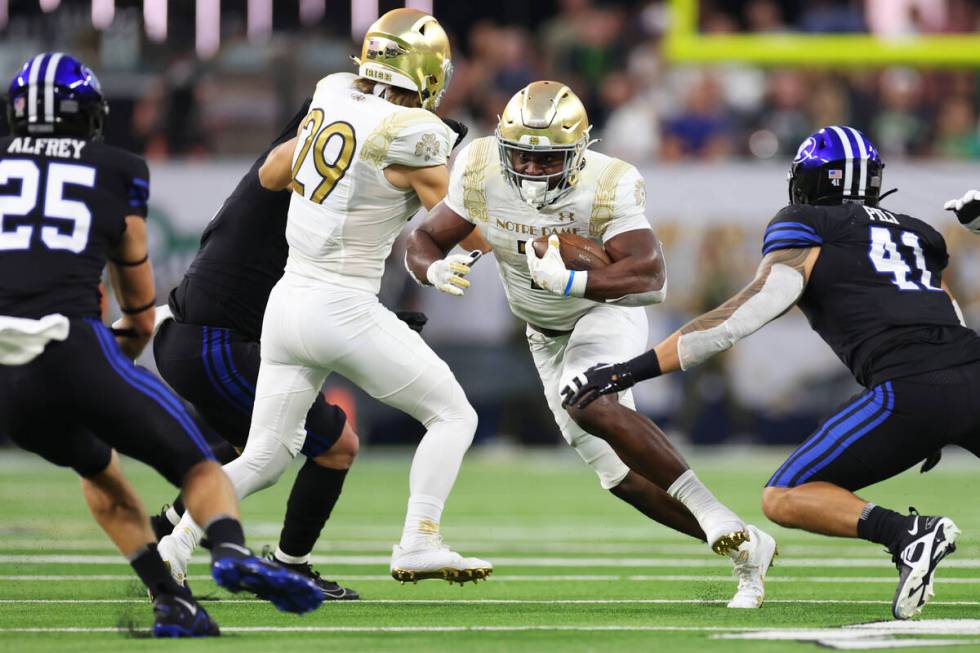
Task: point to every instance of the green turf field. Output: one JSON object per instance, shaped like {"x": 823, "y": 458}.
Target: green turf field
{"x": 576, "y": 569}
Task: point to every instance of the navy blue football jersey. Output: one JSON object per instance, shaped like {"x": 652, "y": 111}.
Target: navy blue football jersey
{"x": 875, "y": 294}
{"x": 242, "y": 256}
{"x": 63, "y": 208}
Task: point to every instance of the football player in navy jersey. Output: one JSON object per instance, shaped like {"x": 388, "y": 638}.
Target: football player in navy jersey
{"x": 69, "y": 390}
{"x": 869, "y": 281}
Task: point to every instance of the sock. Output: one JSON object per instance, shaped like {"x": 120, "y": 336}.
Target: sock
{"x": 227, "y": 538}
{"x": 148, "y": 565}
{"x": 225, "y": 453}
{"x": 314, "y": 494}
{"x": 421, "y": 520}
{"x": 713, "y": 516}
{"x": 287, "y": 559}
{"x": 881, "y": 525}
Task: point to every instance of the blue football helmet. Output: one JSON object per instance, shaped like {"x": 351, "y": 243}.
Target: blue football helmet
{"x": 55, "y": 94}
{"x": 836, "y": 164}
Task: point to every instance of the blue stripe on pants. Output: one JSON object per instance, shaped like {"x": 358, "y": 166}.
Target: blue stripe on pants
{"x": 222, "y": 374}
{"x": 842, "y": 445}
{"x": 206, "y": 359}
{"x": 244, "y": 382}
{"x": 861, "y": 402}
{"x": 147, "y": 385}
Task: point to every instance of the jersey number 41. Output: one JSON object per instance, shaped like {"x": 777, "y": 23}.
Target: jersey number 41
{"x": 886, "y": 258}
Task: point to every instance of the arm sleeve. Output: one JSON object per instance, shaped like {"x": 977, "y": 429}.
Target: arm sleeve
{"x": 137, "y": 180}
{"x": 421, "y": 140}
{"x": 454, "y": 200}
{"x": 629, "y": 204}
{"x": 796, "y": 226}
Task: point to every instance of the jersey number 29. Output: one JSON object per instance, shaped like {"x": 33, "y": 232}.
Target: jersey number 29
{"x": 55, "y": 204}
{"x": 311, "y": 134}
{"x": 887, "y": 260}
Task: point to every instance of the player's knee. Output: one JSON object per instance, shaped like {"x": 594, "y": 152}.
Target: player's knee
{"x": 595, "y": 417}
{"x": 342, "y": 454}
{"x": 775, "y": 504}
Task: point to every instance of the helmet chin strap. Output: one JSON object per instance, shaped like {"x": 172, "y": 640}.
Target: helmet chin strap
{"x": 886, "y": 194}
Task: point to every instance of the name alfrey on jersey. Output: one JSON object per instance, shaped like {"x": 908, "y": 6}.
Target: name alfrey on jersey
{"x": 65, "y": 148}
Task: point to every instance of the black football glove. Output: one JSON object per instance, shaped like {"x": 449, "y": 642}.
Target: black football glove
{"x": 459, "y": 128}
{"x": 415, "y": 321}
{"x": 598, "y": 380}
{"x": 967, "y": 210}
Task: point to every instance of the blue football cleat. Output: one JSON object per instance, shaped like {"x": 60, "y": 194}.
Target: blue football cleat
{"x": 287, "y": 590}
{"x": 175, "y": 616}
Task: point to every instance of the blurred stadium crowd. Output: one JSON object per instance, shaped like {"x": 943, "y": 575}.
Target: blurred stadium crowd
{"x": 169, "y": 102}
{"x": 172, "y": 104}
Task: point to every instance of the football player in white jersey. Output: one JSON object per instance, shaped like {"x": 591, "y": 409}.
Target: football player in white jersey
{"x": 535, "y": 178}
{"x": 368, "y": 155}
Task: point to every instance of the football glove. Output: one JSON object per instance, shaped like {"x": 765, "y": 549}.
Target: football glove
{"x": 415, "y": 321}
{"x": 598, "y": 380}
{"x": 967, "y": 210}
{"x": 459, "y": 129}
{"x": 550, "y": 273}
{"x": 448, "y": 274}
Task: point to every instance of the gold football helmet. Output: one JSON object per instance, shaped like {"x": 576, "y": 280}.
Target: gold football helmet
{"x": 544, "y": 117}
{"x": 409, "y": 49}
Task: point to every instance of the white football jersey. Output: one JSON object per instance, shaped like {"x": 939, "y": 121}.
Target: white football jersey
{"x": 344, "y": 215}
{"x": 608, "y": 199}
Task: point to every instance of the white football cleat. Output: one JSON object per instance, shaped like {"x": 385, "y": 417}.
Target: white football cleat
{"x": 752, "y": 562}
{"x": 436, "y": 560}
{"x": 726, "y": 536}
{"x": 929, "y": 541}
{"x": 169, "y": 549}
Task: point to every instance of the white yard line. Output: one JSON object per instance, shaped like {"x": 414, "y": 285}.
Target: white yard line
{"x": 557, "y": 561}
{"x": 600, "y": 578}
{"x": 506, "y": 601}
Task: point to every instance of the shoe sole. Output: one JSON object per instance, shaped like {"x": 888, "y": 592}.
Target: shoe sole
{"x": 924, "y": 568}
{"x": 461, "y": 576}
{"x": 173, "y": 631}
{"x": 286, "y": 590}
{"x": 730, "y": 542}
{"x": 762, "y": 599}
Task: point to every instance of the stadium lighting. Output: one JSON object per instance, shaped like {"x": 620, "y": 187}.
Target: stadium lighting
{"x": 207, "y": 26}
{"x": 421, "y": 5}
{"x": 155, "y": 19}
{"x": 312, "y": 11}
{"x": 47, "y": 6}
{"x": 259, "y": 19}
{"x": 103, "y": 12}
{"x": 362, "y": 14}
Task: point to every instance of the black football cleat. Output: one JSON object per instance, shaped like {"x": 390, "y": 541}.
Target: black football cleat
{"x": 921, "y": 548}
{"x": 287, "y": 590}
{"x": 176, "y": 616}
{"x": 331, "y": 590}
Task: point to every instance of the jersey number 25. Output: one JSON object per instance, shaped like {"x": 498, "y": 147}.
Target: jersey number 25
{"x": 55, "y": 204}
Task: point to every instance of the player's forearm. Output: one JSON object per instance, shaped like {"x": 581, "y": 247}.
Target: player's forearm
{"x": 421, "y": 252}
{"x": 134, "y": 290}
{"x": 628, "y": 276}
{"x": 276, "y": 171}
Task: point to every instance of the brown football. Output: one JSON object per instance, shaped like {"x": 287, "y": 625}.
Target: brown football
{"x": 578, "y": 252}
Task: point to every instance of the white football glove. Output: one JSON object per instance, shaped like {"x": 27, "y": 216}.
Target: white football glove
{"x": 550, "y": 273}
{"x": 448, "y": 274}
{"x": 161, "y": 315}
{"x": 967, "y": 210}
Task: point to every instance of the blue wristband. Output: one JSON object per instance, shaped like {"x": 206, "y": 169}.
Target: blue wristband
{"x": 568, "y": 286}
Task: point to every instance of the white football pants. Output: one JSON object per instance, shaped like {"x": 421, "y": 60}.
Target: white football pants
{"x": 606, "y": 334}
{"x": 312, "y": 329}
